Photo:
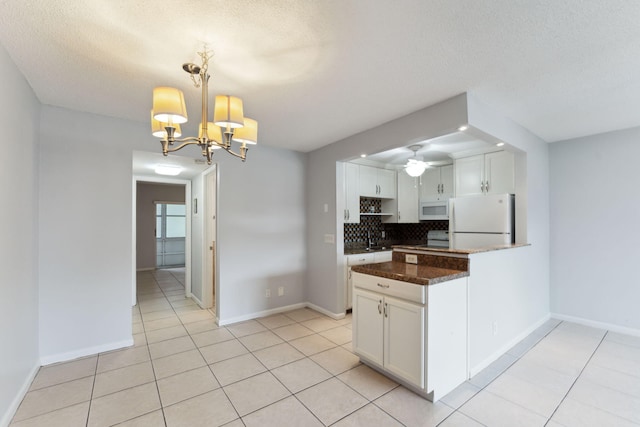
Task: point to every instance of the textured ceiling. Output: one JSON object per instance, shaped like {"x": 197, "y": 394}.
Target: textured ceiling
{"x": 314, "y": 72}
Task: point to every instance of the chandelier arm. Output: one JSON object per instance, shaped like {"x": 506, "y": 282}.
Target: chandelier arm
{"x": 195, "y": 141}
{"x": 242, "y": 155}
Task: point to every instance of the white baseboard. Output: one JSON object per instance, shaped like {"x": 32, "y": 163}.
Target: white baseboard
{"x": 63, "y": 357}
{"x": 13, "y": 407}
{"x": 336, "y": 316}
{"x": 595, "y": 324}
{"x": 146, "y": 269}
{"x": 502, "y": 350}
{"x": 255, "y": 315}
{"x": 197, "y": 301}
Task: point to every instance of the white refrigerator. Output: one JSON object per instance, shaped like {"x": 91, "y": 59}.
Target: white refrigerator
{"x": 478, "y": 221}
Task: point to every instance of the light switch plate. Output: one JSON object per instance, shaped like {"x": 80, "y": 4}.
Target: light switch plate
{"x": 329, "y": 238}
{"x": 411, "y": 259}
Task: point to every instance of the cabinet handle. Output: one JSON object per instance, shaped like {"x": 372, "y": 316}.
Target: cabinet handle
{"x": 386, "y": 314}
{"x": 486, "y": 186}
{"x": 348, "y": 214}
{"x": 383, "y": 286}
{"x": 398, "y": 215}
{"x": 380, "y": 307}
{"x": 482, "y": 186}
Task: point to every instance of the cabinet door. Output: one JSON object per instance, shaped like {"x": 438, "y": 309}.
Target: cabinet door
{"x": 368, "y": 177}
{"x": 469, "y": 176}
{"x": 404, "y": 331}
{"x": 407, "y": 198}
{"x": 500, "y": 173}
{"x": 430, "y": 183}
{"x": 368, "y": 325}
{"x": 351, "y": 193}
{"x": 446, "y": 182}
{"x": 386, "y": 184}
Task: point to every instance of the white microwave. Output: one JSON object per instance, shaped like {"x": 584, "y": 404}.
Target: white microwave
{"x": 434, "y": 210}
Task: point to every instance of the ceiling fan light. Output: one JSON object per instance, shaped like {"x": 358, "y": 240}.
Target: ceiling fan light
{"x": 415, "y": 168}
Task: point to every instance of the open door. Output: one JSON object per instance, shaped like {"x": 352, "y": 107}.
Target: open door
{"x": 210, "y": 286}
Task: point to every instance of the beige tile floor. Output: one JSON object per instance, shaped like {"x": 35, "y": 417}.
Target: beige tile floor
{"x": 297, "y": 369}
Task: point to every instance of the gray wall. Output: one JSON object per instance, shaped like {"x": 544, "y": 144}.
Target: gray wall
{"x": 19, "y": 110}
{"x": 261, "y": 231}
{"x": 595, "y": 212}
{"x": 146, "y": 195}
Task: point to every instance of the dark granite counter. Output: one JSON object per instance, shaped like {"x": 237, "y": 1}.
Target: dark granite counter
{"x": 411, "y": 273}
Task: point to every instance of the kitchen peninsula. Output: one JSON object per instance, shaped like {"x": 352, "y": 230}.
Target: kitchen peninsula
{"x": 412, "y": 315}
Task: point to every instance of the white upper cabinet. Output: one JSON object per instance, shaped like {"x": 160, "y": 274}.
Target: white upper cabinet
{"x": 408, "y": 195}
{"x": 437, "y": 184}
{"x": 378, "y": 183}
{"x": 351, "y": 193}
{"x": 491, "y": 173}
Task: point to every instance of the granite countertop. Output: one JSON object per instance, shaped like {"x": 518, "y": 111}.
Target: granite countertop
{"x": 454, "y": 250}
{"x": 411, "y": 273}
{"x": 355, "y": 251}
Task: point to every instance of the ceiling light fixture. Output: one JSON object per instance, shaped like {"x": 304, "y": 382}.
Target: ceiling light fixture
{"x": 415, "y": 167}
{"x": 463, "y": 128}
{"x": 229, "y": 124}
{"x": 168, "y": 170}
{"x": 500, "y": 144}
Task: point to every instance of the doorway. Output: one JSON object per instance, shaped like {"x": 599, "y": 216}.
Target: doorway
{"x": 171, "y": 233}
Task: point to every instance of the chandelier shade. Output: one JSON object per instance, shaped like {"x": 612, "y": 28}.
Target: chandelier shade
{"x": 169, "y": 106}
{"x": 248, "y": 134}
{"x": 229, "y": 124}
{"x": 158, "y": 128}
{"x": 415, "y": 168}
{"x": 228, "y": 112}
{"x": 214, "y": 133}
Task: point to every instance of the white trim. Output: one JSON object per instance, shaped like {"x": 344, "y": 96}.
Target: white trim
{"x": 15, "y": 403}
{"x": 264, "y": 313}
{"x": 206, "y": 288}
{"x": 277, "y": 310}
{"x": 505, "y": 348}
{"x": 336, "y": 316}
{"x": 146, "y": 269}
{"x": 595, "y": 324}
{"x": 89, "y": 351}
{"x": 197, "y": 301}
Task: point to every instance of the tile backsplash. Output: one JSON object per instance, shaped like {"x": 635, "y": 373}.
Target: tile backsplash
{"x": 355, "y": 235}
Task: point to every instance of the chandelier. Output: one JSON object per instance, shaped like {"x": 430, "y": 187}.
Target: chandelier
{"x": 229, "y": 124}
{"x": 415, "y": 166}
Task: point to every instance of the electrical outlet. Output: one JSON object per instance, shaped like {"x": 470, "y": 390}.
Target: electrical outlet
{"x": 411, "y": 259}
{"x": 495, "y": 328}
{"x": 383, "y": 234}
{"x": 267, "y": 293}
{"x": 280, "y": 291}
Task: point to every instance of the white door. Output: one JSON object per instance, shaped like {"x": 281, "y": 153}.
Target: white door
{"x": 368, "y": 181}
{"x": 210, "y": 250}
{"x": 367, "y": 325}
{"x": 404, "y": 340}
{"x": 386, "y": 184}
{"x": 351, "y": 193}
{"x": 446, "y": 182}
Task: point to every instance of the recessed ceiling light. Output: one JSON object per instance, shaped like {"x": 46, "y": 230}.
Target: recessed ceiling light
{"x": 168, "y": 170}
{"x": 499, "y": 144}
{"x": 363, "y": 155}
{"x": 463, "y": 128}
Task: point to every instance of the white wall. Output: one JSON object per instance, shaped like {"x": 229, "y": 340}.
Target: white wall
{"x": 595, "y": 220}
{"x": 261, "y": 231}
{"x": 19, "y": 110}
{"x": 325, "y": 271}
{"x": 525, "y": 301}
{"x": 85, "y": 231}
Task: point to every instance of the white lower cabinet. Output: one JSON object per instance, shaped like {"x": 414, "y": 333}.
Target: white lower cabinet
{"x": 416, "y": 334}
{"x": 359, "y": 259}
